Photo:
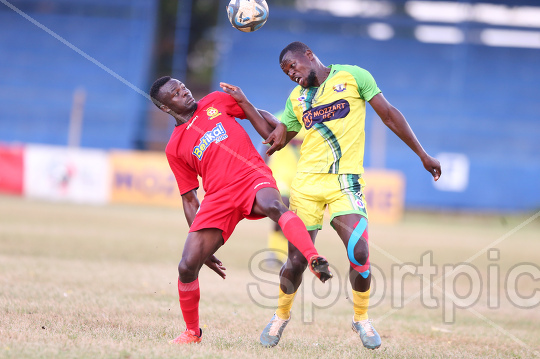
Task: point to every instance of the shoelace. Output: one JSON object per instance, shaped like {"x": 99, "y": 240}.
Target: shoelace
{"x": 368, "y": 327}
{"x": 277, "y": 323}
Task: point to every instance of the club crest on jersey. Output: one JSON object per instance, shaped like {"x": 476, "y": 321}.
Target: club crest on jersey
{"x": 340, "y": 87}
{"x": 217, "y": 134}
{"x": 302, "y": 102}
{"x": 212, "y": 113}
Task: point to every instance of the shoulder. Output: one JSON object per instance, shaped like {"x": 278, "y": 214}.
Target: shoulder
{"x": 213, "y": 97}
{"x": 352, "y": 69}
{"x": 172, "y": 146}
{"x": 219, "y": 96}
{"x": 171, "y": 151}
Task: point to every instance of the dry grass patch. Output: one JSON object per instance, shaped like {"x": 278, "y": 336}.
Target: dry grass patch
{"x": 100, "y": 282}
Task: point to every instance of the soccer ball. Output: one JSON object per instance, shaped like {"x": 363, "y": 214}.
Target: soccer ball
{"x": 247, "y": 15}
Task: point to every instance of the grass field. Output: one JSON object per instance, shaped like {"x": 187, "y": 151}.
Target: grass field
{"x": 100, "y": 282}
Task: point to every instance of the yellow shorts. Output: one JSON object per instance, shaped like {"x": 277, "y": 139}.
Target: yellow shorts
{"x": 312, "y": 192}
{"x": 283, "y": 166}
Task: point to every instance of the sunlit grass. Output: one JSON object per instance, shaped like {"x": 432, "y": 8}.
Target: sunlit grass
{"x": 100, "y": 282}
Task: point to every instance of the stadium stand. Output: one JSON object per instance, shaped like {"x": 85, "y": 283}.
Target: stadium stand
{"x": 40, "y": 73}
{"x": 467, "y": 98}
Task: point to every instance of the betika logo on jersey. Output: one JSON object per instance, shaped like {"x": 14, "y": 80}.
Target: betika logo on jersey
{"x": 323, "y": 113}
{"x": 217, "y": 134}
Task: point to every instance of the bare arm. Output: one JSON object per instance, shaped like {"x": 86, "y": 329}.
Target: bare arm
{"x": 191, "y": 205}
{"x": 261, "y": 125}
{"x": 279, "y": 137}
{"x": 266, "y": 124}
{"x": 399, "y": 125}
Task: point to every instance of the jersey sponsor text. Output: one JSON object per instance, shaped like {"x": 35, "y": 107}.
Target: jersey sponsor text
{"x": 217, "y": 134}
{"x": 323, "y": 113}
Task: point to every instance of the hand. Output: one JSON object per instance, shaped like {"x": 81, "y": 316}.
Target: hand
{"x": 433, "y": 166}
{"x": 276, "y": 139}
{"x": 234, "y": 91}
{"x": 215, "y": 264}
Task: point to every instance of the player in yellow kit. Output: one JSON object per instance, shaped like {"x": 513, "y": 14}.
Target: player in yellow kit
{"x": 283, "y": 166}
{"x": 330, "y": 104}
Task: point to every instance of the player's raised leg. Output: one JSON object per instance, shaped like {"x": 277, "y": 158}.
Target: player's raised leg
{"x": 199, "y": 246}
{"x": 352, "y": 229}
{"x": 268, "y": 203}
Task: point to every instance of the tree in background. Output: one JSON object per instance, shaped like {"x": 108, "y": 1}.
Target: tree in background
{"x": 201, "y": 54}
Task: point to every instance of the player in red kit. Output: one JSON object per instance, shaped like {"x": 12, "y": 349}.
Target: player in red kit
{"x": 208, "y": 142}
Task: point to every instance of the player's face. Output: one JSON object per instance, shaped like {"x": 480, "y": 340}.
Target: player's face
{"x": 177, "y": 97}
{"x": 298, "y": 67}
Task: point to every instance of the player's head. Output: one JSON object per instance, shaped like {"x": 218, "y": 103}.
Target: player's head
{"x": 171, "y": 95}
{"x": 298, "y": 62}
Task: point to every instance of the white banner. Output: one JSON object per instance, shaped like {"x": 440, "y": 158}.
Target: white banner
{"x": 64, "y": 174}
{"x": 456, "y": 167}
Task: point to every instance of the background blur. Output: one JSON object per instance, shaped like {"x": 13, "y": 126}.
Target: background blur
{"x": 75, "y": 122}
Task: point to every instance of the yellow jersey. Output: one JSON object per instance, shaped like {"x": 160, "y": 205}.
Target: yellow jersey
{"x": 333, "y": 116}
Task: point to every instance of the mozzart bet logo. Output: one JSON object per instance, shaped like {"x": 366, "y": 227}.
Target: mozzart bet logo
{"x": 217, "y": 134}
{"x": 323, "y": 113}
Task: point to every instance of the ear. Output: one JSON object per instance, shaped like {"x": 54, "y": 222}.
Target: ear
{"x": 164, "y": 108}
{"x": 309, "y": 54}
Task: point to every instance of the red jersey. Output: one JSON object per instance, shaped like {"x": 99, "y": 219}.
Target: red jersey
{"x": 214, "y": 146}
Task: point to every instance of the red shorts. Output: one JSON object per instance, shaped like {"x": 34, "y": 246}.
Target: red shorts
{"x": 224, "y": 209}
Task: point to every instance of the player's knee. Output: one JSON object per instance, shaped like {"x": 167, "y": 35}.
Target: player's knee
{"x": 361, "y": 254}
{"x": 275, "y": 208}
{"x": 187, "y": 272}
{"x": 357, "y": 246}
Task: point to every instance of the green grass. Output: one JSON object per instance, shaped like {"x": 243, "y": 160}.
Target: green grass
{"x": 100, "y": 282}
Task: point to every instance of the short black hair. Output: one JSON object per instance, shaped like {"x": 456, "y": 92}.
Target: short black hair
{"x": 156, "y": 86}
{"x": 296, "y": 47}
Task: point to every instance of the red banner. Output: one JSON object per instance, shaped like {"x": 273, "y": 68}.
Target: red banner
{"x": 11, "y": 169}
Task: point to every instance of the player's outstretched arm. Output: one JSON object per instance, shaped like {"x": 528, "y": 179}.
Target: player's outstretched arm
{"x": 191, "y": 205}
{"x": 279, "y": 137}
{"x": 399, "y": 125}
{"x": 252, "y": 114}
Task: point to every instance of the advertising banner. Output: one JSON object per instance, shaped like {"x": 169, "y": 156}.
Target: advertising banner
{"x": 385, "y": 195}
{"x": 143, "y": 178}
{"x": 66, "y": 174}
{"x": 11, "y": 169}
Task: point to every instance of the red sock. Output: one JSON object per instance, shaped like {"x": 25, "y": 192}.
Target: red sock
{"x": 295, "y": 231}
{"x": 190, "y": 294}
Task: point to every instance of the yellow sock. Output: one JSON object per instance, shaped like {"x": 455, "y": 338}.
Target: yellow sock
{"x": 360, "y": 305}
{"x": 285, "y": 302}
{"x": 279, "y": 244}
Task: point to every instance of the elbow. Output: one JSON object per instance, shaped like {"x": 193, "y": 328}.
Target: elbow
{"x": 390, "y": 118}
{"x": 387, "y": 119}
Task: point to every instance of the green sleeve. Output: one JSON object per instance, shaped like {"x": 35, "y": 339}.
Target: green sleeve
{"x": 289, "y": 118}
{"x": 367, "y": 87}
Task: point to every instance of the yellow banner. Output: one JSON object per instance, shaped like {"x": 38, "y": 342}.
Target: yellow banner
{"x": 385, "y": 195}
{"x": 143, "y": 178}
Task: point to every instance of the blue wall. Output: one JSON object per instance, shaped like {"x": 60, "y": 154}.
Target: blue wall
{"x": 480, "y": 101}
{"x": 39, "y": 74}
